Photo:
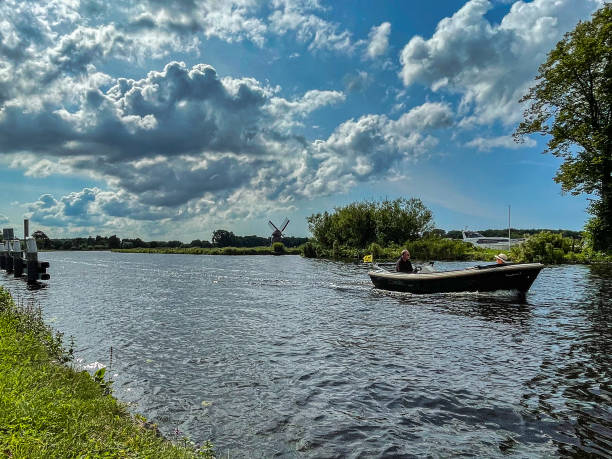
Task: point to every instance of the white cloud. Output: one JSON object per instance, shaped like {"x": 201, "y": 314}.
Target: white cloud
{"x": 183, "y": 134}
{"x": 379, "y": 40}
{"x": 298, "y": 16}
{"x": 357, "y": 82}
{"x": 504, "y": 141}
{"x": 230, "y": 21}
{"x": 181, "y": 143}
{"x": 490, "y": 65}
{"x": 373, "y": 145}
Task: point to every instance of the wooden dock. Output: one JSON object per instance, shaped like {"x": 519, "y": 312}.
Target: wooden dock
{"x": 20, "y": 257}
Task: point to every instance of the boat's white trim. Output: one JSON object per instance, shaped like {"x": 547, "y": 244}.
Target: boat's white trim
{"x": 457, "y": 273}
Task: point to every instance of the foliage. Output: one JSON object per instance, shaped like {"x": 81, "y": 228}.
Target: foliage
{"x": 48, "y": 409}
{"x": 267, "y": 250}
{"x": 376, "y": 251}
{"x": 424, "y": 249}
{"x": 309, "y": 250}
{"x": 551, "y": 248}
{"x": 572, "y": 103}
{"x": 223, "y": 238}
{"x": 114, "y": 242}
{"x": 42, "y": 240}
{"x": 278, "y": 248}
{"x": 361, "y": 223}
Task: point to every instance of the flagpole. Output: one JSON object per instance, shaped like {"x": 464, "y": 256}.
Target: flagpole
{"x": 508, "y": 228}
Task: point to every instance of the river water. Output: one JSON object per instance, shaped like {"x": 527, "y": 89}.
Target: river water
{"x": 284, "y": 356}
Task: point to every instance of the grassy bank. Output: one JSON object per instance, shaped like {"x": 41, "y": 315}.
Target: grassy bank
{"x": 274, "y": 250}
{"x": 47, "y": 409}
{"x": 420, "y": 250}
{"x": 544, "y": 247}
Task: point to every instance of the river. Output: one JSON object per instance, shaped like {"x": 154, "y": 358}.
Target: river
{"x": 290, "y": 357}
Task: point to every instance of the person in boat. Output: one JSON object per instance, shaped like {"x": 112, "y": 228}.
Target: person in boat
{"x": 404, "y": 265}
{"x": 501, "y": 259}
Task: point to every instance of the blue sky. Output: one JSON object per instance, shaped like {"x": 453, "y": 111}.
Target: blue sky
{"x": 168, "y": 120}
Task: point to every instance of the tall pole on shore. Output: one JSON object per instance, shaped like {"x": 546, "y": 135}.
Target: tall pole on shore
{"x": 508, "y": 228}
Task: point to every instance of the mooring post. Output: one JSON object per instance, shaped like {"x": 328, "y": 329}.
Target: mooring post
{"x": 9, "y": 257}
{"x": 32, "y": 260}
{"x": 3, "y": 255}
{"x": 17, "y": 258}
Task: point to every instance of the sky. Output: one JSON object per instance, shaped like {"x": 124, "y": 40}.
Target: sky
{"x": 169, "y": 120}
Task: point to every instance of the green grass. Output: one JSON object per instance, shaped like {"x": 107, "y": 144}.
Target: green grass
{"x": 275, "y": 250}
{"x": 50, "y": 410}
{"x": 420, "y": 250}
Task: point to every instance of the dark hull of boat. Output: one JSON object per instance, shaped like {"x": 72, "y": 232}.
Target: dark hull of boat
{"x": 517, "y": 277}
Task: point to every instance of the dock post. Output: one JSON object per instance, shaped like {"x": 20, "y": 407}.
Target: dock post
{"x": 18, "y": 264}
{"x": 3, "y": 255}
{"x": 9, "y": 257}
{"x": 32, "y": 260}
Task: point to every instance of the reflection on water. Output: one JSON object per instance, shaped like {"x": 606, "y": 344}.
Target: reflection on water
{"x": 573, "y": 387}
{"x": 282, "y": 356}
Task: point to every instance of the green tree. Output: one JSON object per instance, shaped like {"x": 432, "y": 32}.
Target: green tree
{"x": 114, "y": 242}
{"x": 362, "y": 223}
{"x": 572, "y": 103}
{"x": 42, "y": 240}
{"x": 223, "y": 238}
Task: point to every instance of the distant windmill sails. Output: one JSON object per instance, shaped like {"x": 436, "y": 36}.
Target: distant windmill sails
{"x": 277, "y": 234}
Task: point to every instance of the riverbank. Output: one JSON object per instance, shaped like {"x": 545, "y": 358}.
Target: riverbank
{"x": 273, "y": 250}
{"x": 420, "y": 250}
{"x": 49, "y": 409}
{"x": 544, "y": 247}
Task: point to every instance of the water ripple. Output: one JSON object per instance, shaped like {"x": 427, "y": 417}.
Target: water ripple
{"x": 287, "y": 357}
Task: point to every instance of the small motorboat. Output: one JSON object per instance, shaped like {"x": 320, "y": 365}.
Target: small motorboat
{"x": 482, "y": 278}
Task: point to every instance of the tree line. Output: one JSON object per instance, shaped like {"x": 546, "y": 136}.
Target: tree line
{"x": 220, "y": 238}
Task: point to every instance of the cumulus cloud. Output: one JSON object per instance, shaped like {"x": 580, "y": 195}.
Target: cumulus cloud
{"x": 373, "y": 145}
{"x": 490, "y": 65}
{"x": 378, "y": 41}
{"x": 182, "y": 142}
{"x": 184, "y": 134}
{"x": 238, "y": 20}
{"x": 92, "y": 207}
{"x": 230, "y": 21}
{"x": 357, "y": 82}
{"x": 299, "y": 16}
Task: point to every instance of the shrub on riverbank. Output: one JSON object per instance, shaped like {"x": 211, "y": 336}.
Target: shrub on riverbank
{"x": 268, "y": 250}
{"x": 553, "y": 248}
{"x": 48, "y": 409}
{"x": 422, "y": 249}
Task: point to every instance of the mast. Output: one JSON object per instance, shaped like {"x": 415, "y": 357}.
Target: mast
{"x": 508, "y": 228}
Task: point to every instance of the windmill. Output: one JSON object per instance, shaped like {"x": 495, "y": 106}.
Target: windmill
{"x": 277, "y": 234}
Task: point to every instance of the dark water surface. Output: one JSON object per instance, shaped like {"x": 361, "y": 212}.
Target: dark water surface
{"x": 283, "y": 356}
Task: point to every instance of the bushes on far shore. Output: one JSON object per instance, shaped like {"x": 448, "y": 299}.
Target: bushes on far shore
{"x": 278, "y": 248}
{"x": 545, "y": 247}
{"x": 553, "y": 248}
{"x": 422, "y": 249}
